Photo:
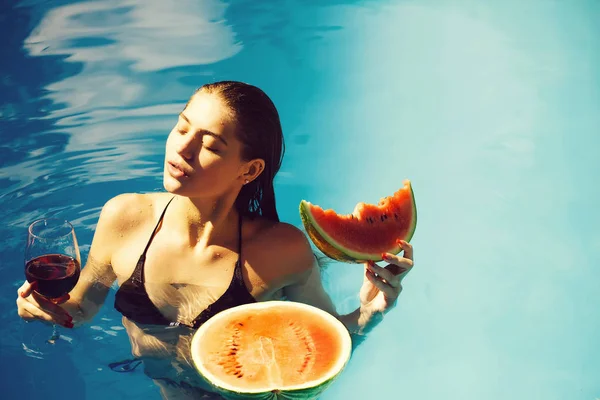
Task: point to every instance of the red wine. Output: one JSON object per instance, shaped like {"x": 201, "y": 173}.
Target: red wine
{"x": 56, "y": 274}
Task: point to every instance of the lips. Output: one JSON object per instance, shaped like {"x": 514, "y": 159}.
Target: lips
{"x": 176, "y": 170}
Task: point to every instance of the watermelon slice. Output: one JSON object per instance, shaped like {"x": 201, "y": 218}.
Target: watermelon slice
{"x": 366, "y": 233}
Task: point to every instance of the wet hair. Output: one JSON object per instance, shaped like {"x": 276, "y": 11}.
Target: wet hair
{"x": 259, "y": 129}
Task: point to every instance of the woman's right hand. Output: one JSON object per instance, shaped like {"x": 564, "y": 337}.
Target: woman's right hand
{"x": 31, "y": 306}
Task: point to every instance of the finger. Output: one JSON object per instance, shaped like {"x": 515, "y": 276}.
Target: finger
{"x": 384, "y": 273}
{"x": 368, "y": 290}
{"x": 387, "y": 290}
{"x": 27, "y": 288}
{"x": 47, "y": 305}
{"x": 28, "y": 317}
{"x": 62, "y": 299}
{"x": 29, "y": 311}
{"x": 400, "y": 261}
{"x": 22, "y": 312}
{"x": 397, "y": 270}
{"x": 408, "y": 249}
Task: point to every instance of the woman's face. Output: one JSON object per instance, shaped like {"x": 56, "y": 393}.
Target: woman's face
{"x": 203, "y": 154}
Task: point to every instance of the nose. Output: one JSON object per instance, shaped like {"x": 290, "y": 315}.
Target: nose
{"x": 186, "y": 146}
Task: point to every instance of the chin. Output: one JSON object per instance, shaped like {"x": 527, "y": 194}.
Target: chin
{"x": 171, "y": 185}
{"x": 174, "y": 186}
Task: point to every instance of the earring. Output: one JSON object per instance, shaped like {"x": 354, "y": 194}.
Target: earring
{"x": 246, "y": 182}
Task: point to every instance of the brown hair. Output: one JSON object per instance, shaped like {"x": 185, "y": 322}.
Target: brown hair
{"x": 259, "y": 130}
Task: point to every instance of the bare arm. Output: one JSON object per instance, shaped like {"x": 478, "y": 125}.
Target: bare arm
{"x": 309, "y": 289}
{"x": 378, "y": 294}
{"x": 89, "y": 295}
{"x": 94, "y": 283}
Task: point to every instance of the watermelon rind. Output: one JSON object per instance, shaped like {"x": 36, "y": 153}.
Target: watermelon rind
{"x": 321, "y": 241}
{"x": 308, "y": 390}
{"x": 337, "y": 251}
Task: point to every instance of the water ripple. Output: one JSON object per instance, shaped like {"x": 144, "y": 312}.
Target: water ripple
{"x": 108, "y": 121}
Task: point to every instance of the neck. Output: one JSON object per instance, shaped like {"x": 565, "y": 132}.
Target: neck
{"x": 207, "y": 221}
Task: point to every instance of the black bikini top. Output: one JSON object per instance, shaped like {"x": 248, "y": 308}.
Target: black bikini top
{"x": 133, "y": 302}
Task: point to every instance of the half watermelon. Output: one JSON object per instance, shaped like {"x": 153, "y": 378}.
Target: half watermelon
{"x": 366, "y": 233}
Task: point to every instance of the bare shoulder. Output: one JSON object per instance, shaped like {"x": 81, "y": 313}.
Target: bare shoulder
{"x": 284, "y": 236}
{"x": 127, "y": 212}
{"x": 284, "y": 241}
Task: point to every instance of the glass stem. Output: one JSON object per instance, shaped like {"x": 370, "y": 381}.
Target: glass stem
{"x": 55, "y": 335}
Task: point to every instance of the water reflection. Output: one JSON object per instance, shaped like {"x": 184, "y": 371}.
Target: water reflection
{"x": 121, "y": 46}
{"x": 109, "y": 120}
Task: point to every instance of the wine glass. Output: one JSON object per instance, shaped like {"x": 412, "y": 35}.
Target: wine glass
{"x": 52, "y": 260}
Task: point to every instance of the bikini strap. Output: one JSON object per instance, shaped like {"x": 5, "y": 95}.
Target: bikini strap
{"x": 156, "y": 228}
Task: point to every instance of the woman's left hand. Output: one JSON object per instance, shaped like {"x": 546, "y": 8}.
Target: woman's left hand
{"x": 382, "y": 285}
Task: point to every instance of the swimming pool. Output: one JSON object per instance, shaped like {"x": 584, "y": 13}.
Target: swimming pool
{"x": 491, "y": 109}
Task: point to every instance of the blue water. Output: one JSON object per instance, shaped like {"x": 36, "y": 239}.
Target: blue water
{"x": 492, "y": 109}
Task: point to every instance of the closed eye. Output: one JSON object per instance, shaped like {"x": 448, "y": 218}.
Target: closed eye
{"x": 208, "y": 143}
{"x": 182, "y": 131}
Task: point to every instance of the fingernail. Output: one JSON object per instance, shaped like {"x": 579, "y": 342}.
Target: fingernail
{"x": 384, "y": 256}
{"x": 400, "y": 242}
{"x": 69, "y": 318}
{"x": 22, "y": 294}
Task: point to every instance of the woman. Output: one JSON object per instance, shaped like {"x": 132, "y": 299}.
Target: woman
{"x": 213, "y": 241}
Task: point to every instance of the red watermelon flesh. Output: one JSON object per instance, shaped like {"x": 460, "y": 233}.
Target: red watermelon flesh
{"x": 366, "y": 233}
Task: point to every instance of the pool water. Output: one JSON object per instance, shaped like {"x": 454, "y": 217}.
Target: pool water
{"x": 492, "y": 109}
